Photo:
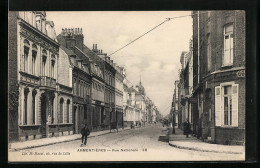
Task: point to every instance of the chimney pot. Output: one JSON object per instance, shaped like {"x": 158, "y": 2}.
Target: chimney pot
{"x": 93, "y": 46}
{"x": 101, "y": 51}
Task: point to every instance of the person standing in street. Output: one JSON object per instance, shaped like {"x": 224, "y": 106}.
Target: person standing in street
{"x": 85, "y": 133}
{"x": 187, "y": 127}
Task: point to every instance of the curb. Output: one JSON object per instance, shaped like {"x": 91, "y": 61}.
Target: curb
{"x": 36, "y": 146}
{"x": 195, "y": 149}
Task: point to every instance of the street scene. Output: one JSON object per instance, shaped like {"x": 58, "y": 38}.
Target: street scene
{"x": 126, "y": 86}
{"x": 141, "y": 144}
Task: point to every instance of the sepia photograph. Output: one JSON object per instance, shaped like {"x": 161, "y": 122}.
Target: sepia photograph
{"x": 126, "y": 86}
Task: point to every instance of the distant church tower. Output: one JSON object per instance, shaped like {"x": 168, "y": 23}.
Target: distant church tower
{"x": 140, "y": 87}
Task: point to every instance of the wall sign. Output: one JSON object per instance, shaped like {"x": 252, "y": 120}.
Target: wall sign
{"x": 241, "y": 74}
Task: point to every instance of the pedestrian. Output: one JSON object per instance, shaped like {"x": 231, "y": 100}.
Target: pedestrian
{"x": 187, "y": 129}
{"x": 85, "y": 133}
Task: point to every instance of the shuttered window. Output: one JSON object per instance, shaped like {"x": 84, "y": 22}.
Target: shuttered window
{"x": 226, "y": 105}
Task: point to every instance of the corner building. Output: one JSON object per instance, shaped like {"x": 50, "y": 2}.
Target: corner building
{"x": 219, "y": 76}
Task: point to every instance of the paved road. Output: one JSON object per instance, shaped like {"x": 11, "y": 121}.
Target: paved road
{"x": 140, "y": 144}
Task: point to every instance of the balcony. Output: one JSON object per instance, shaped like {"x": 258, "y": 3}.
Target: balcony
{"x": 48, "y": 82}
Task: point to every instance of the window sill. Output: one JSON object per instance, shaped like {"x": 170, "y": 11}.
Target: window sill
{"x": 227, "y": 66}
{"x": 29, "y": 125}
{"x": 228, "y": 126}
{"x": 62, "y": 124}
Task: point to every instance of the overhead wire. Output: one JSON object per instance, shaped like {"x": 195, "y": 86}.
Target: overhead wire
{"x": 167, "y": 19}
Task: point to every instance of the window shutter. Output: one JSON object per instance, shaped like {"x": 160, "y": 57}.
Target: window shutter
{"x": 235, "y": 105}
{"x": 217, "y": 106}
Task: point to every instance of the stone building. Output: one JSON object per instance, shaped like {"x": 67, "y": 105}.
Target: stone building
{"x": 34, "y": 84}
{"x": 219, "y": 76}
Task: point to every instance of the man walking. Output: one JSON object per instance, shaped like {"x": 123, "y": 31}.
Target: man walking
{"x": 85, "y": 133}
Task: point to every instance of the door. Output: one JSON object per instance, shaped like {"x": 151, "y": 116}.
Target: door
{"x": 74, "y": 119}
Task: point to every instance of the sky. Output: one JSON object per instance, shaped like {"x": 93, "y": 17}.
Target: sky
{"x": 155, "y": 58}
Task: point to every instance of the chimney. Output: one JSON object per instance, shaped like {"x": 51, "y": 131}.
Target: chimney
{"x": 79, "y": 38}
{"x": 70, "y": 41}
{"x": 101, "y": 51}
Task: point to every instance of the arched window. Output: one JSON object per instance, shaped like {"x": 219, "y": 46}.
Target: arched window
{"x": 25, "y": 56}
{"x": 52, "y": 68}
{"x": 44, "y": 57}
{"x": 33, "y": 106}
{"x": 52, "y": 65}
{"x": 26, "y": 92}
{"x": 61, "y": 111}
{"x": 68, "y": 111}
{"x": 34, "y": 56}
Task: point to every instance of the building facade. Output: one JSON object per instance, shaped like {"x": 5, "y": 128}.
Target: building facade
{"x": 219, "y": 76}
{"x": 81, "y": 81}
{"x": 35, "y": 86}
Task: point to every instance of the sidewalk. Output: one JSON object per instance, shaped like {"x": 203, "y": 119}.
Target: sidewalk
{"x": 179, "y": 140}
{"x": 54, "y": 140}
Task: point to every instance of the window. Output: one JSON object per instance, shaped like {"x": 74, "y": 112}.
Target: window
{"x": 228, "y": 45}
{"x": 34, "y": 54}
{"x": 85, "y": 113}
{"x": 38, "y": 24}
{"x": 52, "y": 68}
{"x": 26, "y": 92}
{"x": 227, "y": 95}
{"x": 68, "y": 111}
{"x": 226, "y": 105}
{"x": 33, "y": 106}
{"x": 209, "y": 52}
{"x": 75, "y": 86}
{"x": 44, "y": 58}
{"x": 25, "y": 57}
{"x": 61, "y": 110}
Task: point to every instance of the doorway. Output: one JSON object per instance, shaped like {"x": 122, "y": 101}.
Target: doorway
{"x": 74, "y": 119}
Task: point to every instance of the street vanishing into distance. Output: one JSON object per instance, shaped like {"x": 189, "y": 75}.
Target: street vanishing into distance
{"x": 147, "y": 143}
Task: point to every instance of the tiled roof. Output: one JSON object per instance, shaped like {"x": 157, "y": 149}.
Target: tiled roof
{"x": 67, "y": 51}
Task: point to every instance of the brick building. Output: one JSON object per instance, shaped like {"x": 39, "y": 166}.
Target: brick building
{"x": 219, "y": 76}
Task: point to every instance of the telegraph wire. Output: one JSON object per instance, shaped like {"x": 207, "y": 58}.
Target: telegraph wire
{"x": 167, "y": 19}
